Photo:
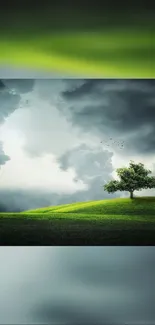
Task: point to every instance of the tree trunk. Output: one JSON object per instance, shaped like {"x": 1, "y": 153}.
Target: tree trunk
{"x": 131, "y": 194}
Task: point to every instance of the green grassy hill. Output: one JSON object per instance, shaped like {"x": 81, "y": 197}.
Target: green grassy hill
{"x": 106, "y": 222}
{"x": 138, "y": 206}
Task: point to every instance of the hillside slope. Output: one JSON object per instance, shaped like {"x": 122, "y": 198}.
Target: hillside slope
{"x": 125, "y": 206}
{"x": 107, "y": 222}
{"x": 144, "y": 206}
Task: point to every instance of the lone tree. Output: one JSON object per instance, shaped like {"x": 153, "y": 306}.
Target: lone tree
{"x": 133, "y": 178}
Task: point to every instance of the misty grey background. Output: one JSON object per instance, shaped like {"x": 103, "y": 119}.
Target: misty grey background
{"x": 77, "y": 285}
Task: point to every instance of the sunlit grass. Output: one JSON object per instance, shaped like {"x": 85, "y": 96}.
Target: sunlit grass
{"x": 106, "y": 222}
{"x": 81, "y": 217}
{"x": 123, "y": 207}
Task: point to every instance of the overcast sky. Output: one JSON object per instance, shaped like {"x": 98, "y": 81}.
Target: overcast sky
{"x": 64, "y": 138}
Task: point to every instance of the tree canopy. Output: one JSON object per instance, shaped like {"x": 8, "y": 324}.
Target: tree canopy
{"x": 133, "y": 178}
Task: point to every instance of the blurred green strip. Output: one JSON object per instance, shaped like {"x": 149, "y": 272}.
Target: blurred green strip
{"x": 105, "y": 51}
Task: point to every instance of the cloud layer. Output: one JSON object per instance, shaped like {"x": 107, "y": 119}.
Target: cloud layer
{"x": 75, "y": 129}
{"x": 10, "y": 96}
{"x": 116, "y": 108}
{"x": 93, "y": 166}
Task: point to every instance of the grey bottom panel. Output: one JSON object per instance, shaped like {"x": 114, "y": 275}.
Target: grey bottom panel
{"x": 77, "y": 285}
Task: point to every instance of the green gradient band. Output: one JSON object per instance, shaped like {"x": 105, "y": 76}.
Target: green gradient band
{"x": 79, "y": 45}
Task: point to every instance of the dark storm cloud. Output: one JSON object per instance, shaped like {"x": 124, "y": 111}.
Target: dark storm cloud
{"x": 19, "y": 200}
{"x": 10, "y": 95}
{"x": 21, "y": 86}
{"x": 8, "y": 101}
{"x": 117, "y": 108}
{"x": 88, "y": 161}
{"x": 93, "y": 166}
{"x": 3, "y": 158}
{"x": 10, "y": 91}
{"x": 2, "y": 86}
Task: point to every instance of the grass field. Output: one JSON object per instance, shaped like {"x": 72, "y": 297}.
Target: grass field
{"x": 81, "y": 45}
{"x": 106, "y": 222}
